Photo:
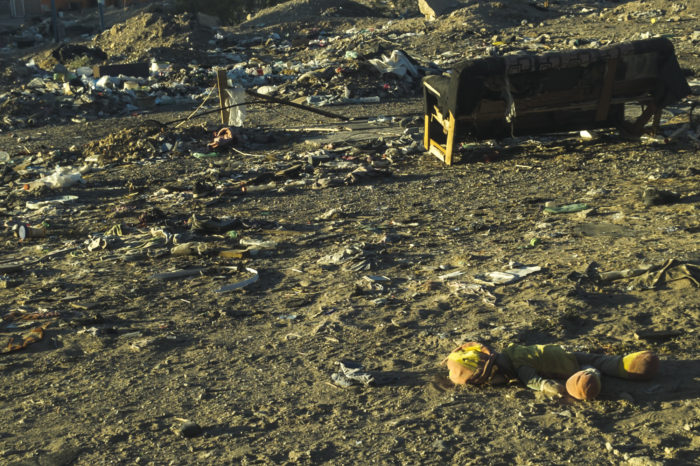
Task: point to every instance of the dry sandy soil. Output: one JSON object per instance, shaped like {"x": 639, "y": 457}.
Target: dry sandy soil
{"x": 140, "y": 369}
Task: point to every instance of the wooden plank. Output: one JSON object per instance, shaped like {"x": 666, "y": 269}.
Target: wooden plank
{"x": 607, "y": 92}
{"x": 437, "y": 151}
{"x": 222, "y": 85}
{"x": 431, "y": 89}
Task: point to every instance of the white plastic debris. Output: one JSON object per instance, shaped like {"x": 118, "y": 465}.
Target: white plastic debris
{"x": 84, "y": 71}
{"x": 242, "y": 283}
{"x": 36, "y": 83}
{"x": 451, "y": 275}
{"x": 36, "y": 205}
{"x": 506, "y": 277}
{"x": 397, "y": 64}
{"x": 235, "y": 116}
{"x": 159, "y": 69}
{"x": 62, "y": 177}
{"x": 348, "y": 376}
{"x": 108, "y": 82}
{"x": 267, "y": 90}
{"x": 257, "y": 244}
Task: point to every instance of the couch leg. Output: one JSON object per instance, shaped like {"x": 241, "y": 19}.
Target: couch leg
{"x": 426, "y": 133}
{"x": 449, "y": 146}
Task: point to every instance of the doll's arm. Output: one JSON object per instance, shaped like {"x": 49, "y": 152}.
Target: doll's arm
{"x": 532, "y": 380}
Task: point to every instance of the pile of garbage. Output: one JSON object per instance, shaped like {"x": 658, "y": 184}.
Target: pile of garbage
{"x": 336, "y": 75}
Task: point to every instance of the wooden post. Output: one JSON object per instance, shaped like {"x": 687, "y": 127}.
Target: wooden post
{"x": 222, "y": 84}
{"x": 607, "y": 91}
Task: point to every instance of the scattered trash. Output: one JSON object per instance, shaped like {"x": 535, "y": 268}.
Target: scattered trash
{"x": 534, "y": 242}
{"x": 19, "y": 342}
{"x": 671, "y": 274}
{"x": 512, "y": 275}
{"x": 224, "y": 138}
{"x": 604, "y": 229}
{"x": 397, "y": 63}
{"x": 201, "y": 155}
{"x": 351, "y": 374}
{"x": 25, "y": 231}
{"x": 376, "y": 278}
{"x": 101, "y": 242}
{"x": 566, "y": 209}
{"x": 62, "y": 177}
{"x": 189, "y": 249}
{"x": 179, "y": 274}
{"x": 35, "y": 205}
{"x": 242, "y": 283}
{"x": 153, "y": 265}
{"x": 463, "y": 290}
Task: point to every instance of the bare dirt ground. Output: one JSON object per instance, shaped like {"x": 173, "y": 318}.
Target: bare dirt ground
{"x": 137, "y": 368}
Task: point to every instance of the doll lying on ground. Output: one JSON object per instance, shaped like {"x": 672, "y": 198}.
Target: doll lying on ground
{"x": 541, "y": 366}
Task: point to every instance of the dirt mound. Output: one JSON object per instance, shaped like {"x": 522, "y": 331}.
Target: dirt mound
{"x": 148, "y": 35}
{"x": 299, "y": 10}
{"x": 127, "y": 144}
{"x": 134, "y": 39}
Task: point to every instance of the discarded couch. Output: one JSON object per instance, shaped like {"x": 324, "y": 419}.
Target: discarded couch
{"x": 558, "y": 91}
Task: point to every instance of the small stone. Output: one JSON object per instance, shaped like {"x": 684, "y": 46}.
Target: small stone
{"x": 440, "y": 445}
{"x": 626, "y": 396}
{"x": 297, "y": 456}
{"x": 642, "y": 461}
{"x": 190, "y": 429}
{"x": 608, "y": 446}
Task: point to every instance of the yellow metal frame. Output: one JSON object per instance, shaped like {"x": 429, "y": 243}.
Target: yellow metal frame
{"x": 442, "y": 152}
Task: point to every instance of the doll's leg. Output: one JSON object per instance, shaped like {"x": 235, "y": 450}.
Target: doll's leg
{"x": 608, "y": 365}
{"x": 641, "y": 365}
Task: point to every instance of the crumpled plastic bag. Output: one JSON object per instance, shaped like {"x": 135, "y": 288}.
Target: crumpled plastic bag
{"x": 349, "y": 376}
{"x": 62, "y": 177}
{"x": 672, "y": 274}
{"x": 398, "y": 64}
{"x": 235, "y": 116}
{"x": 506, "y": 277}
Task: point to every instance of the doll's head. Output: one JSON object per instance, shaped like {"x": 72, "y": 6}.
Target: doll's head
{"x": 473, "y": 363}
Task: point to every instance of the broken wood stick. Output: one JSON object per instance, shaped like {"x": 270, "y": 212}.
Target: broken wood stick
{"x": 278, "y": 100}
